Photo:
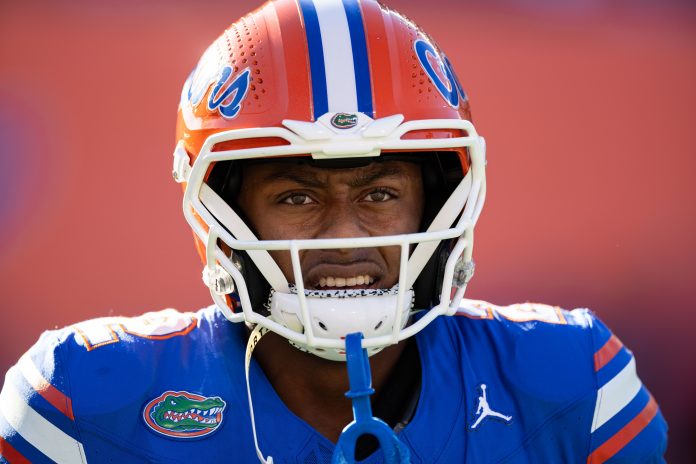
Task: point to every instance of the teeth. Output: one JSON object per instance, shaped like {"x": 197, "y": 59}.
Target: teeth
{"x": 346, "y": 281}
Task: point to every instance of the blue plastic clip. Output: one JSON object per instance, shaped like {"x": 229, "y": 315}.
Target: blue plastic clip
{"x": 364, "y": 423}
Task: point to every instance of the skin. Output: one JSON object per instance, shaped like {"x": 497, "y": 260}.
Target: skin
{"x": 284, "y": 200}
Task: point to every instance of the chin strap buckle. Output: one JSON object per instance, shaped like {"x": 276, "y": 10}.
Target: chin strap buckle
{"x": 364, "y": 422}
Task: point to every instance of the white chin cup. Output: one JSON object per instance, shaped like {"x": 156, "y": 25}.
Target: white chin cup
{"x": 336, "y": 313}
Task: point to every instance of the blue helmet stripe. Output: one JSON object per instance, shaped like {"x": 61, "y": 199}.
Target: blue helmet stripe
{"x": 316, "y": 58}
{"x": 361, "y": 63}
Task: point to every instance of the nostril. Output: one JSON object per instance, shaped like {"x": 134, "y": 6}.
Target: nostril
{"x": 323, "y": 326}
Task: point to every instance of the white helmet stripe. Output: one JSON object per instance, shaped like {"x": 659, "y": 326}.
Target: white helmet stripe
{"x": 338, "y": 56}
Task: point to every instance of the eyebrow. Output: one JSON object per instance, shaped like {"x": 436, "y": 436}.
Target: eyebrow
{"x": 292, "y": 174}
{"x": 367, "y": 178}
{"x": 310, "y": 179}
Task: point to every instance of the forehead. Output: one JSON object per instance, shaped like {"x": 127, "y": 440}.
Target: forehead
{"x": 318, "y": 173}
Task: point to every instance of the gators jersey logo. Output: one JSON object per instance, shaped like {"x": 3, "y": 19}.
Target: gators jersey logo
{"x": 180, "y": 414}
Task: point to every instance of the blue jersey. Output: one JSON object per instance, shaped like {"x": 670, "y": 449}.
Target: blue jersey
{"x": 520, "y": 384}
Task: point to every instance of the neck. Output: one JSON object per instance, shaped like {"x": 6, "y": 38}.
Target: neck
{"x": 314, "y": 388}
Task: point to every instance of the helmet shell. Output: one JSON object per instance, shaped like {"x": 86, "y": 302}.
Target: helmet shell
{"x": 265, "y": 68}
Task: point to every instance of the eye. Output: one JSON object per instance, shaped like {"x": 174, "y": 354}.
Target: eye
{"x": 297, "y": 199}
{"x": 379, "y": 195}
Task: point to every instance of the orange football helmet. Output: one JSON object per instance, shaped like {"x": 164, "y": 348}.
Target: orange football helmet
{"x": 328, "y": 80}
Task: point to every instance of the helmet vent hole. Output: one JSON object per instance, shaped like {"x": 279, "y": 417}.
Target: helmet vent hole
{"x": 248, "y": 53}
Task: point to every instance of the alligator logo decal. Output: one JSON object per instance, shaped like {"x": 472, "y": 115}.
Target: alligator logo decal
{"x": 182, "y": 414}
{"x": 344, "y": 120}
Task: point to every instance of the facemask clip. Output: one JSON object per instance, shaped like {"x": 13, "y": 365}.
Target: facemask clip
{"x": 463, "y": 272}
{"x": 218, "y": 279}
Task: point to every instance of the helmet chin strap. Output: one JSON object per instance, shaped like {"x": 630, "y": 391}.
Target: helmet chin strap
{"x": 254, "y": 339}
{"x": 364, "y": 423}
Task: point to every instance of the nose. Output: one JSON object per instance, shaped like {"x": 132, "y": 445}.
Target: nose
{"x": 341, "y": 219}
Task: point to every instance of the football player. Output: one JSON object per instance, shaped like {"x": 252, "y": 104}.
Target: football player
{"x": 332, "y": 178}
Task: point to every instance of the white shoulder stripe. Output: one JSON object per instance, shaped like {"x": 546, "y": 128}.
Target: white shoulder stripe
{"x": 30, "y": 372}
{"x": 36, "y": 430}
{"x": 616, "y": 394}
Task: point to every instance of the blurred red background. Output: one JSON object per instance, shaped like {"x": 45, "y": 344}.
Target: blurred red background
{"x": 587, "y": 106}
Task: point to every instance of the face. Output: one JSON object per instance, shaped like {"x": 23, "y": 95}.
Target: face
{"x": 288, "y": 200}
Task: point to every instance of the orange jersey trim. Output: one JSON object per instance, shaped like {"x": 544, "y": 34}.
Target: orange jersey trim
{"x": 625, "y": 435}
{"x": 13, "y": 456}
{"x": 607, "y": 352}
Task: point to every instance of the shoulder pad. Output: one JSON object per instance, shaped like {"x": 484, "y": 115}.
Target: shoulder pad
{"x": 524, "y": 312}
{"x": 156, "y": 325}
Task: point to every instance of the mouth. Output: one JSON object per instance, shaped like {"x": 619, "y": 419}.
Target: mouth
{"x": 351, "y": 276}
{"x": 356, "y": 282}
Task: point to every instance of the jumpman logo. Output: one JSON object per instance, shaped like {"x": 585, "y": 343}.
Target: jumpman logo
{"x": 485, "y": 411}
